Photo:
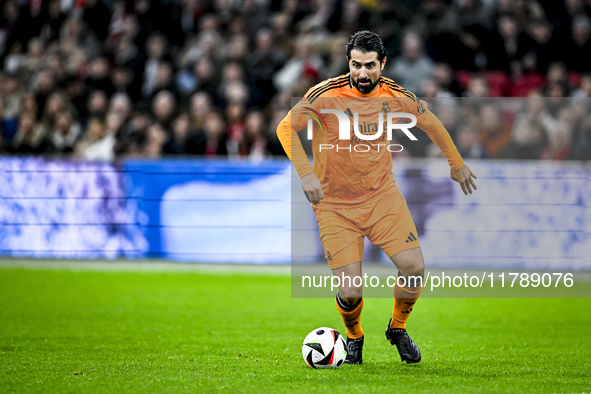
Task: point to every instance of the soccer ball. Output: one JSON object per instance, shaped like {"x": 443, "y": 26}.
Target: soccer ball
{"x": 324, "y": 348}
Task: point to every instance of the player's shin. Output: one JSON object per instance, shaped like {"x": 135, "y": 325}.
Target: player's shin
{"x": 407, "y": 291}
{"x": 351, "y": 315}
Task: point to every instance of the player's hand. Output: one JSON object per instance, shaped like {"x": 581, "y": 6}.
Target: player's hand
{"x": 312, "y": 188}
{"x": 463, "y": 176}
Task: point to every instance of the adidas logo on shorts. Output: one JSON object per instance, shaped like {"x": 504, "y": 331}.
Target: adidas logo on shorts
{"x": 411, "y": 238}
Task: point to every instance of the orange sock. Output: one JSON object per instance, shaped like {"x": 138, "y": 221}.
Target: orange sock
{"x": 351, "y": 317}
{"x": 404, "y": 300}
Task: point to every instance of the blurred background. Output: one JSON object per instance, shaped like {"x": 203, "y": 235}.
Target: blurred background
{"x": 147, "y": 128}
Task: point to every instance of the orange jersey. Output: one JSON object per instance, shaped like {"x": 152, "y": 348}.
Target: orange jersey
{"x": 351, "y": 168}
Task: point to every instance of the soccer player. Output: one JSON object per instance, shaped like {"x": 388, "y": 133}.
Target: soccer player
{"x": 352, "y": 189}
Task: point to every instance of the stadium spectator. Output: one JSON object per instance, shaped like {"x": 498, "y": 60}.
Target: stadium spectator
{"x": 97, "y": 16}
{"x": 165, "y": 81}
{"x": 254, "y": 143}
{"x": 235, "y": 58}
{"x": 29, "y": 104}
{"x": 56, "y": 104}
{"x": 231, "y": 74}
{"x": 446, "y": 80}
{"x": 99, "y": 76}
{"x": 114, "y": 123}
{"x": 413, "y": 66}
{"x": 127, "y": 54}
{"x": 33, "y": 60}
{"x": 132, "y": 137}
{"x": 452, "y": 115}
{"x": 281, "y": 27}
{"x": 467, "y": 141}
{"x": 430, "y": 88}
{"x": 545, "y": 49}
{"x": 524, "y": 10}
{"x": 122, "y": 78}
{"x": 477, "y": 87}
{"x": 304, "y": 60}
{"x": 15, "y": 35}
{"x": 535, "y": 109}
{"x": 236, "y": 92}
{"x": 436, "y": 18}
{"x": 191, "y": 12}
{"x": 12, "y": 96}
{"x": 150, "y": 17}
{"x": 235, "y": 113}
{"x": 205, "y": 75}
{"x": 211, "y": 140}
{"x": 511, "y": 44}
{"x": 199, "y": 108}
{"x": 77, "y": 92}
{"x": 475, "y": 13}
{"x": 75, "y": 33}
{"x": 155, "y": 141}
{"x": 177, "y": 143}
{"x": 558, "y": 147}
{"x": 206, "y": 43}
{"x": 557, "y": 84}
{"x": 64, "y": 132}
{"x": 576, "y": 54}
{"x": 43, "y": 85}
{"x": 97, "y": 104}
{"x": 581, "y": 122}
{"x": 164, "y": 108}
{"x": 30, "y": 137}
{"x": 585, "y": 87}
{"x": 236, "y": 49}
{"x": 156, "y": 52}
{"x": 337, "y": 63}
{"x": 98, "y": 144}
{"x": 121, "y": 104}
{"x": 262, "y": 64}
{"x": 528, "y": 143}
{"x": 493, "y": 128}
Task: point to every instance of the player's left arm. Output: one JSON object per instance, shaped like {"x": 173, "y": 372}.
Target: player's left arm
{"x": 430, "y": 124}
{"x": 465, "y": 177}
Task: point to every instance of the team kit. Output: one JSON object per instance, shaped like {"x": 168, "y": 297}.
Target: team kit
{"x": 355, "y": 123}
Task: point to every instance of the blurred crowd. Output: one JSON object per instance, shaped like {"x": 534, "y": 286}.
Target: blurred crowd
{"x": 549, "y": 128}
{"x": 109, "y": 79}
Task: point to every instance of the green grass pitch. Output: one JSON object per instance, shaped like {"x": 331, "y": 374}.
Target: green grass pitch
{"x": 65, "y": 330}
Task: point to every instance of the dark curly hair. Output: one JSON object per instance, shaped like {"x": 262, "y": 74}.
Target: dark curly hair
{"x": 365, "y": 41}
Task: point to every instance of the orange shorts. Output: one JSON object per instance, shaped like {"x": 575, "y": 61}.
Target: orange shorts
{"x": 385, "y": 221}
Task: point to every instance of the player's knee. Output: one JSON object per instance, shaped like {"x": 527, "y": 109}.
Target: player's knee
{"x": 350, "y": 295}
{"x": 418, "y": 268}
{"x": 415, "y": 268}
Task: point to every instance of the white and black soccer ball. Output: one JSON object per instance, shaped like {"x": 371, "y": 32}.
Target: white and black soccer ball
{"x": 324, "y": 348}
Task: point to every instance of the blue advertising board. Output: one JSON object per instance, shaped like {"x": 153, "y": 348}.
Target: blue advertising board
{"x": 524, "y": 214}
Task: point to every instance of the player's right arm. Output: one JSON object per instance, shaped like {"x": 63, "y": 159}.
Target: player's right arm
{"x": 287, "y": 131}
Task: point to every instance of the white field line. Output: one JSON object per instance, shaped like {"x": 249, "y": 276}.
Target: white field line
{"x": 143, "y": 266}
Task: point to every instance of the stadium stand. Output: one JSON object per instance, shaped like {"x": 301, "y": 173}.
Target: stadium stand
{"x": 106, "y": 79}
